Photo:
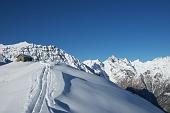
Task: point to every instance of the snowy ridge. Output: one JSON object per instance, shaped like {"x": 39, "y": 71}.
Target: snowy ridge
{"x": 161, "y": 65}
{"x": 46, "y": 88}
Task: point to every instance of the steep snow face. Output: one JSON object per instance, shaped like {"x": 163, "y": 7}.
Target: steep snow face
{"x": 97, "y": 66}
{"x": 118, "y": 69}
{"x": 43, "y": 88}
{"x": 41, "y": 53}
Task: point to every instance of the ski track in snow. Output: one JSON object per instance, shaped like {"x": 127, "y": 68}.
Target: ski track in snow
{"x": 44, "y": 92}
{"x": 37, "y": 101}
{"x": 52, "y": 102}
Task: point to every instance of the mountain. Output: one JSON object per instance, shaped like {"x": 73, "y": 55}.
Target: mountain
{"x": 35, "y": 87}
{"x": 41, "y": 53}
{"x": 150, "y": 80}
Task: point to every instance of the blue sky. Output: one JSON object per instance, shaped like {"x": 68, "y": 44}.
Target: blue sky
{"x": 90, "y": 29}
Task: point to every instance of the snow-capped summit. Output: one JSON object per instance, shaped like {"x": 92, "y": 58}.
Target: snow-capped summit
{"x": 20, "y": 44}
{"x": 113, "y": 58}
{"x": 118, "y": 68}
{"x": 16, "y": 46}
{"x": 92, "y": 63}
{"x": 113, "y": 67}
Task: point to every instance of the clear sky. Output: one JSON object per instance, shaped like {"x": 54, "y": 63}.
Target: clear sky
{"x": 90, "y": 29}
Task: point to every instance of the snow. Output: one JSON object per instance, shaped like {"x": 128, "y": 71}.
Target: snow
{"x": 48, "y": 88}
{"x": 112, "y": 67}
{"x": 158, "y": 65}
{"x": 168, "y": 94}
{"x": 20, "y": 44}
{"x": 15, "y": 85}
{"x": 1, "y": 48}
{"x": 116, "y": 68}
{"x": 96, "y": 65}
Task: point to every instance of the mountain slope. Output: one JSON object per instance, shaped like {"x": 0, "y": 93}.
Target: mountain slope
{"x": 150, "y": 80}
{"x": 47, "y": 88}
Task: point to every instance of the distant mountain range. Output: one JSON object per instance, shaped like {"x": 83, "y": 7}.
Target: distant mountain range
{"x": 150, "y": 80}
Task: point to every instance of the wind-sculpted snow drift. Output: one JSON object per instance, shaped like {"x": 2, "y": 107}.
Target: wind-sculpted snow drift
{"x": 47, "y": 88}
{"x": 150, "y": 80}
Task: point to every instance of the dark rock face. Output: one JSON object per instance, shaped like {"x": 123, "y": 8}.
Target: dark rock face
{"x": 144, "y": 93}
{"x": 154, "y": 89}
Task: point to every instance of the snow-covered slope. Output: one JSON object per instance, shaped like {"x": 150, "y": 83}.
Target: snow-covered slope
{"x": 46, "y": 88}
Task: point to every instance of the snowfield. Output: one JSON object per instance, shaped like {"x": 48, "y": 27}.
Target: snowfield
{"x": 46, "y": 88}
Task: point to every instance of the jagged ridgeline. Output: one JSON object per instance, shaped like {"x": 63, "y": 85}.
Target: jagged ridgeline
{"x": 150, "y": 80}
{"x": 41, "y": 53}
{"x": 38, "y": 52}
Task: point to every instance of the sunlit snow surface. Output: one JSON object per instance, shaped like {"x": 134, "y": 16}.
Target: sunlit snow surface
{"x": 43, "y": 88}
